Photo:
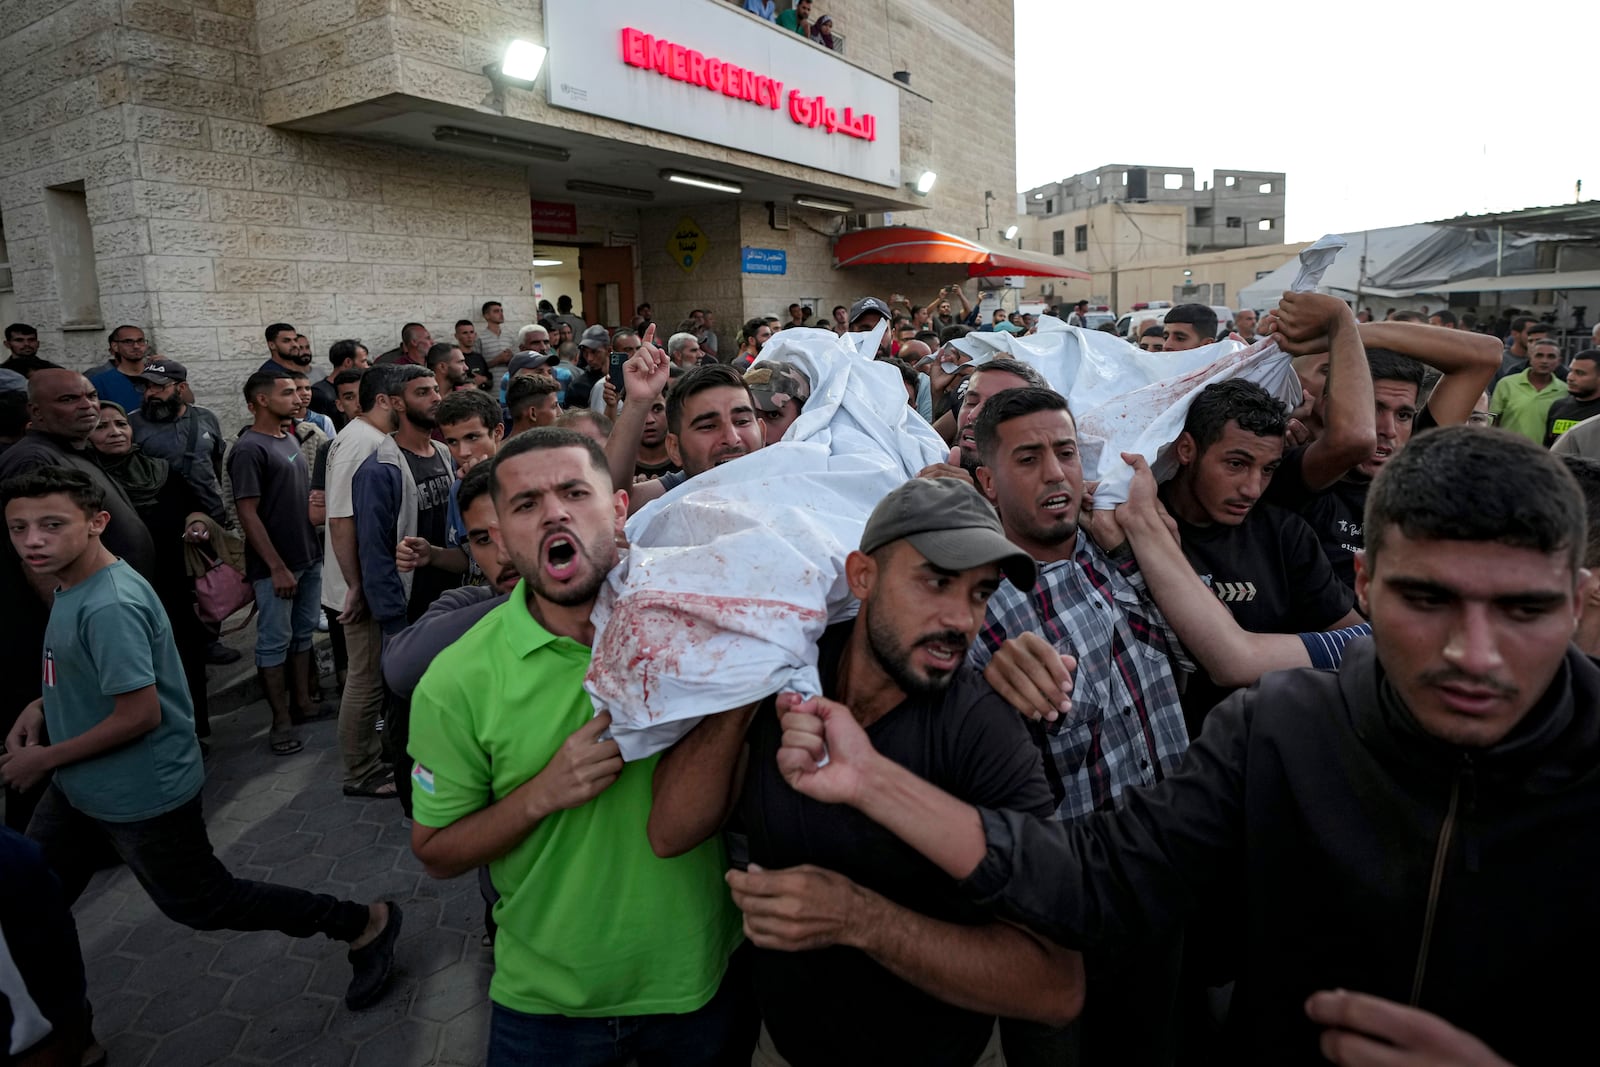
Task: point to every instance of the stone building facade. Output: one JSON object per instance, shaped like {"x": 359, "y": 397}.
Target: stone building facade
{"x": 201, "y": 168}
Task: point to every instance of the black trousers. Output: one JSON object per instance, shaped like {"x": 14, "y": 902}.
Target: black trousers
{"x": 171, "y": 856}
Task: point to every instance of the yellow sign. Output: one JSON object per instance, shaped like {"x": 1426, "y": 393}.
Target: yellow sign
{"x": 687, "y": 243}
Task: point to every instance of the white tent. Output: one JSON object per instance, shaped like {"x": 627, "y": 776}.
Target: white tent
{"x": 1348, "y": 274}
{"x": 1404, "y": 266}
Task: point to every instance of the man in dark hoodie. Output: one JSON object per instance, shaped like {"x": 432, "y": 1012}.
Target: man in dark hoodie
{"x": 1421, "y": 826}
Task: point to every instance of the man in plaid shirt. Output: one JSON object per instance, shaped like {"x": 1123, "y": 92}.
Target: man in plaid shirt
{"x": 1123, "y": 725}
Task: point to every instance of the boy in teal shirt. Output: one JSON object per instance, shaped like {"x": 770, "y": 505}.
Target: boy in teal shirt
{"x": 116, "y": 726}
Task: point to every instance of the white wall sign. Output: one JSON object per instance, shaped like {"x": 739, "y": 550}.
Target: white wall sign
{"x": 709, "y": 72}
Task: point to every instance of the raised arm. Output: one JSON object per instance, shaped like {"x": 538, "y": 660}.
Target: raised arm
{"x": 644, "y": 375}
{"x": 1315, "y": 322}
{"x": 1467, "y": 360}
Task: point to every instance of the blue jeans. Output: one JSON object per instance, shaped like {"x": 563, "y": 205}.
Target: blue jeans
{"x": 723, "y": 1032}
{"x": 285, "y": 625}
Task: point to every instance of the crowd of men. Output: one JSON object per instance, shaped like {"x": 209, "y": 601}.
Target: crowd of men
{"x": 1289, "y": 757}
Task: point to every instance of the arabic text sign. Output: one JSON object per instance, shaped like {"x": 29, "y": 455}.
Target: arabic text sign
{"x": 688, "y": 65}
{"x": 709, "y": 73}
{"x": 555, "y": 218}
{"x": 686, "y": 244}
{"x": 763, "y": 260}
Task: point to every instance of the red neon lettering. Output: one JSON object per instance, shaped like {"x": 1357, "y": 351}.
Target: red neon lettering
{"x": 640, "y": 49}
{"x": 635, "y": 48}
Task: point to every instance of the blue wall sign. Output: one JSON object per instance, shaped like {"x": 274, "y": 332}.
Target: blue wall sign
{"x": 764, "y": 261}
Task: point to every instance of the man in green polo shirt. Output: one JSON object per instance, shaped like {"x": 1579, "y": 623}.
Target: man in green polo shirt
{"x": 605, "y": 953}
{"x": 1522, "y": 400}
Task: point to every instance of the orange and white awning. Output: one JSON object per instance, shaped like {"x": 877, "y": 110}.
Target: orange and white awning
{"x": 885, "y": 245}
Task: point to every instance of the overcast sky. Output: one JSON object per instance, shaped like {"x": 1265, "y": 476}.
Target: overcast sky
{"x": 1379, "y": 113}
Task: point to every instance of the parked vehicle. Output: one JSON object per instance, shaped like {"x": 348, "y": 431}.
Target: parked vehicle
{"x": 1156, "y": 312}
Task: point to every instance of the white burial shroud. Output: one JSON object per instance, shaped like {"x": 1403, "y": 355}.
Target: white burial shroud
{"x": 730, "y": 579}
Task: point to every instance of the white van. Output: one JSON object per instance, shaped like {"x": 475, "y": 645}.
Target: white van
{"x": 1158, "y": 315}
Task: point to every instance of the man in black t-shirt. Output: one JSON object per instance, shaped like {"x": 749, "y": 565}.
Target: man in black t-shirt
{"x": 271, "y": 485}
{"x": 864, "y": 953}
{"x": 1262, "y": 561}
{"x": 345, "y": 356}
{"x": 1583, "y": 396}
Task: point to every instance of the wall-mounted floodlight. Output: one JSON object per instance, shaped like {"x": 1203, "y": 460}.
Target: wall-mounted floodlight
{"x": 1011, "y": 233}
{"x": 925, "y": 182}
{"x": 520, "y": 65}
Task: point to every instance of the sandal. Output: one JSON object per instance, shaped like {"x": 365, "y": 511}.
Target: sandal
{"x": 378, "y": 784}
{"x": 285, "y": 743}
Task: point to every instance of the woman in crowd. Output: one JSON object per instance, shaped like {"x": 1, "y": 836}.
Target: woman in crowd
{"x": 165, "y": 503}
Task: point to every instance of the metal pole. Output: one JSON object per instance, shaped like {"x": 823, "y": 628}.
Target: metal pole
{"x": 1361, "y": 269}
{"x": 1499, "y": 247}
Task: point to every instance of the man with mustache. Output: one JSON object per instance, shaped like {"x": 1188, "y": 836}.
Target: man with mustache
{"x": 1126, "y": 725}
{"x": 169, "y": 425}
{"x": 283, "y": 351}
{"x": 1419, "y": 826}
{"x": 711, "y": 420}
{"x": 401, "y": 494}
{"x": 849, "y": 927}
{"x": 605, "y": 952}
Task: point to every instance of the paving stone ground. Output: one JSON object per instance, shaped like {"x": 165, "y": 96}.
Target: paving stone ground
{"x": 168, "y": 996}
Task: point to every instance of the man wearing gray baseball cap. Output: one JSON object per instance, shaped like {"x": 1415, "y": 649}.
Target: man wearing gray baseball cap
{"x": 820, "y": 878}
